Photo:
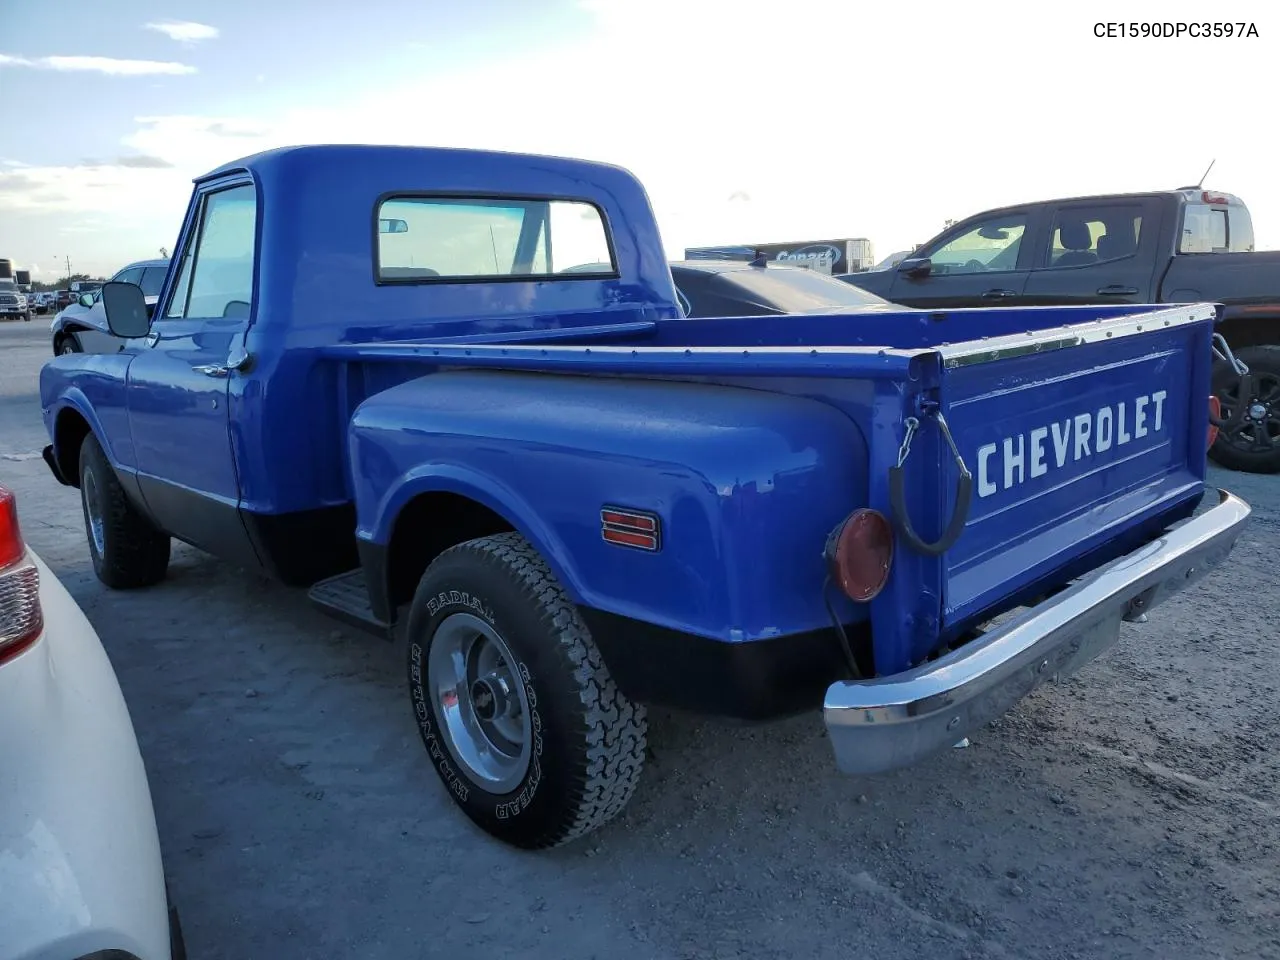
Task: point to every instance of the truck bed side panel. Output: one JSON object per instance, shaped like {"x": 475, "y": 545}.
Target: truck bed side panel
{"x": 1232, "y": 278}
{"x": 746, "y": 483}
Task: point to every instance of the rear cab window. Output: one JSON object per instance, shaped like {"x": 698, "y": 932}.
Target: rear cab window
{"x": 1215, "y": 225}
{"x": 424, "y": 239}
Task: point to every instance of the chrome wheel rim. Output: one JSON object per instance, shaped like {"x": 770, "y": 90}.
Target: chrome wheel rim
{"x": 68, "y": 348}
{"x": 481, "y": 701}
{"x": 93, "y": 511}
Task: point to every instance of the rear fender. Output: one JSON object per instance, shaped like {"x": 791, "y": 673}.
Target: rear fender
{"x": 746, "y": 485}
{"x": 485, "y": 490}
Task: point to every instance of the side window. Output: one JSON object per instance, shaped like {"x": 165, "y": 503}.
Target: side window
{"x": 216, "y": 278}
{"x": 152, "y": 280}
{"x": 1081, "y": 236}
{"x": 131, "y": 275}
{"x": 427, "y": 238}
{"x": 991, "y": 245}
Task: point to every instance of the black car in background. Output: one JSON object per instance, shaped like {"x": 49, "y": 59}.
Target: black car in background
{"x": 739, "y": 288}
{"x": 1172, "y": 246}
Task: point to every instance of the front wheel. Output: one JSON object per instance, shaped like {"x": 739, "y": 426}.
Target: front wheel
{"x": 515, "y": 706}
{"x": 68, "y": 343}
{"x": 1253, "y": 445}
{"x": 126, "y": 548}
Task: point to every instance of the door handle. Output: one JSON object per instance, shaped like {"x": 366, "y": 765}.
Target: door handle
{"x": 1116, "y": 290}
{"x": 239, "y": 360}
{"x": 999, "y": 294}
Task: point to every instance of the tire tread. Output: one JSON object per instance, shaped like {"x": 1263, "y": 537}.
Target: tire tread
{"x": 613, "y": 728}
{"x": 136, "y": 554}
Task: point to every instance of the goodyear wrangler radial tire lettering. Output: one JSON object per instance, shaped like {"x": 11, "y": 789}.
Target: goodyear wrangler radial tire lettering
{"x": 133, "y": 553}
{"x": 587, "y": 739}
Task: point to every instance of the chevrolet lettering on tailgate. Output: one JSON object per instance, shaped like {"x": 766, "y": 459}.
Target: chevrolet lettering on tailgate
{"x": 1008, "y": 464}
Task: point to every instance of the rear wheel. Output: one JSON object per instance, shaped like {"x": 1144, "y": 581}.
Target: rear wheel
{"x": 1253, "y": 445}
{"x": 126, "y": 548}
{"x": 515, "y": 706}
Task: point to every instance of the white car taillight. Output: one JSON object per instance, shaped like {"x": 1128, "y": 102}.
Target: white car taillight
{"x": 21, "y": 618}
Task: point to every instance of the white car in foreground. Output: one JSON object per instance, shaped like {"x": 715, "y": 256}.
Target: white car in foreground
{"x": 80, "y": 870}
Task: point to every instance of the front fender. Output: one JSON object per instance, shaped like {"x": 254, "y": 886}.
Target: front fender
{"x": 75, "y": 402}
{"x": 92, "y": 386}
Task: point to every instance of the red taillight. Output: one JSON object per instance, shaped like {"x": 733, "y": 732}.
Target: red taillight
{"x": 1215, "y": 413}
{"x": 860, "y": 553}
{"x": 11, "y": 545}
{"x": 21, "y": 618}
{"x": 1208, "y": 197}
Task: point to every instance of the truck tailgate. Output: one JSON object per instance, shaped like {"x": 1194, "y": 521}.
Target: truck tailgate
{"x": 1075, "y": 438}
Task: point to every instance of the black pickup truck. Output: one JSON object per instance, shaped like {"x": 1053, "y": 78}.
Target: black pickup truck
{"x": 1170, "y": 246}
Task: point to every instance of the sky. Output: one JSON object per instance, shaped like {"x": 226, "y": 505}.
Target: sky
{"x": 747, "y": 121}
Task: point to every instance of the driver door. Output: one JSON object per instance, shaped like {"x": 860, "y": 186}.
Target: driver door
{"x": 982, "y": 262}
{"x": 179, "y": 378}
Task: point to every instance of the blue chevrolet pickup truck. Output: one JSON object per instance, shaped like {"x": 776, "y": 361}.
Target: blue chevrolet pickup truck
{"x": 452, "y": 394}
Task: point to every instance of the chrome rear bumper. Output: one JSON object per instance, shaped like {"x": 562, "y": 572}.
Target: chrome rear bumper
{"x": 891, "y": 722}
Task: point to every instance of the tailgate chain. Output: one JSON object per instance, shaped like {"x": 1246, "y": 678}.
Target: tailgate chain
{"x": 1223, "y": 352}
{"x": 897, "y": 491}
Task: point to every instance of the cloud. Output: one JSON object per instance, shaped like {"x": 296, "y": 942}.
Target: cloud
{"x": 184, "y": 31}
{"x": 143, "y": 161}
{"x": 234, "y": 128}
{"x": 127, "y": 186}
{"x": 108, "y": 65}
{"x": 10, "y": 182}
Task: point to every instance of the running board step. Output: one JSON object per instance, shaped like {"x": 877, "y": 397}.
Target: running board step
{"x": 346, "y": 598}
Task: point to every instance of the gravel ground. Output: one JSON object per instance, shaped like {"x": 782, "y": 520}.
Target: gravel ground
{"x": 1131, "y": 811}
